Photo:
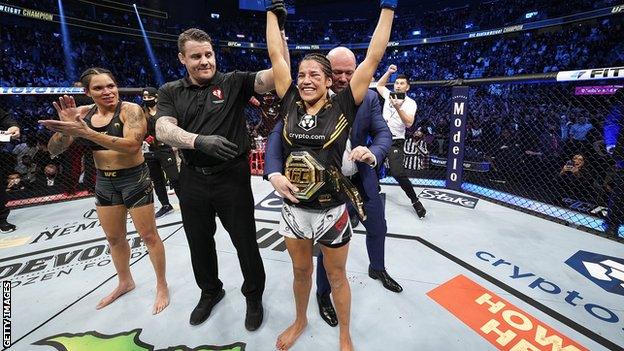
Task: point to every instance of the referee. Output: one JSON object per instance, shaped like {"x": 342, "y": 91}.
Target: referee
{"x": 202, "y": 114}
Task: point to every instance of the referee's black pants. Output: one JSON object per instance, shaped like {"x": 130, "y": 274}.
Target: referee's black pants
{"x": 396, "y": 157}
{"x": 227, "y": 193}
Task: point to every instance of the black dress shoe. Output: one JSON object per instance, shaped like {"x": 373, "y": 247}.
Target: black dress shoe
{"x": 254, "y": 315}
{"x": 386, "y": 280}
{"x": 420, "y": 209}
{"x": 204, "y": 307}
{"x": 326, "y": 309}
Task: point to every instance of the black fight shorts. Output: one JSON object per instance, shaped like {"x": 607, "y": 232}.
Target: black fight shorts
{"x": 131, "y": 187}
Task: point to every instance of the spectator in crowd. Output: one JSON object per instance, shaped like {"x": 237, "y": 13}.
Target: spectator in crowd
{"x": 580, "y": 129}
{"x": 399, "y": 112}
{"x": 575, "y": 181}
{"x": 14, "y": 183}
{"x": 27, "y": 169}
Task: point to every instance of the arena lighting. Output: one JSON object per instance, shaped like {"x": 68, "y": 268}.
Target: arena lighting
{"x": 416, "y": 32}
{"x": 154, "y": 62}
{"x": 70, "y": 69}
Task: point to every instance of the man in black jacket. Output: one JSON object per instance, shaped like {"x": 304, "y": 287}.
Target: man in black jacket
{"x": 7, "y": 126}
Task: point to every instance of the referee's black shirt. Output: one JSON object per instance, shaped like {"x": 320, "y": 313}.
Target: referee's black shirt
{"x": 214, "y": 109}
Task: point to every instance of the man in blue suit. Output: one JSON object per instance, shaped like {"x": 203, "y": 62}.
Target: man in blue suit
{"x": 368, "y": 121}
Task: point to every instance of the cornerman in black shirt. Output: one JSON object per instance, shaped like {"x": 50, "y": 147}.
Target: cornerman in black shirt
{"x": 202, "y": 114}
{"x": 316, "y": 129}
{"x": 8, "y": 126}
{"x": 160, "y": 157}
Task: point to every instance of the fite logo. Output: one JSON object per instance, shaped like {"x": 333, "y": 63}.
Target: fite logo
{"x": 502, "y": 324}
{"x": 605, "y": 271}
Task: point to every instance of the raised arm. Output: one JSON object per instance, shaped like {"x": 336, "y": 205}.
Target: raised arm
{"x": 278, "y": 52}
{"x": 383, "y": 81}
{"x": 376, "y": 49}
{"x": 265, "y": 80}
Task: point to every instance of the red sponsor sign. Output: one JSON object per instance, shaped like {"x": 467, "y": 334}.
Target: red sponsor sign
{"x": 504, "y": 325}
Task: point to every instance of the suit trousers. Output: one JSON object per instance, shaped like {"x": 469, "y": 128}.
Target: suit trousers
{"x": 376, "y": 229}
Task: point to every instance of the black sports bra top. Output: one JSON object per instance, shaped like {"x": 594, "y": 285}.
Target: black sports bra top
{"x": 113, "y": 128}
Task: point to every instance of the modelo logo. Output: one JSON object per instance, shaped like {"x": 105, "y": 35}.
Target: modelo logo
{"x": 436, "y": 195}
{"x": 605, "y": 271}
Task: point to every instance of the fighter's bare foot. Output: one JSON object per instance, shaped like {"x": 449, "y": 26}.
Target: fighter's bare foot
{"x": 346, "y": 344}
{"x": 162, "y": 299}
{"x": 287, "y": 339}
{"x": 121, "y": 289}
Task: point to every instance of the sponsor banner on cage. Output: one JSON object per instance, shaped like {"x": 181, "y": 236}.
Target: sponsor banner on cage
{"x": 502, "y": 324}
{"x": 41, "y": 90}
{"x": 454, "y": 169}
{"x": 468, "y": 165}
{"x": 591, "y": 74}
{"x": 449, "y": 198}
{"x": 597, "y": 90}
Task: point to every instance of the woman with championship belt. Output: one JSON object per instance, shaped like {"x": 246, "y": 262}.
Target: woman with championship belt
{"x": 115, "y": 131}
{"x": 314, "y": 138}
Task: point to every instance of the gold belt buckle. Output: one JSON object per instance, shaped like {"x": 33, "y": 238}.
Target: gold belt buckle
{"x": 304, "y": 172}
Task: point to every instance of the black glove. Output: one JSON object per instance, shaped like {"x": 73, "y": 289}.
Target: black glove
{"x": 279, "y": 9}
{"x": 216, "y": 146}
{"x": 388, "y": 4}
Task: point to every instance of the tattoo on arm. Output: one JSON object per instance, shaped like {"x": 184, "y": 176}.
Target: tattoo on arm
{"x": 136, "y": 124}
{"x": 114, "y": 140}
{"x": 138, "y": 137}
{"x": 168, "y": 132}
{"x": 59, "y": 143}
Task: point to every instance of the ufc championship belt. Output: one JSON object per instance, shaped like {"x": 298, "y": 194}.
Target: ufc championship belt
{"x": 308, "y": 174}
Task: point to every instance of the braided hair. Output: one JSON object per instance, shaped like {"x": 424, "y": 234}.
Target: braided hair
{"x": 86, "y": 76}
{"x": 322, "y": 60}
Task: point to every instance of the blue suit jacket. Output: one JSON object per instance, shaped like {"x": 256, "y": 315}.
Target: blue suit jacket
{"x": 368, "y": 121}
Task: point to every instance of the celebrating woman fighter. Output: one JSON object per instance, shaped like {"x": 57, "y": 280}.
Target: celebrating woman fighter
{"x": 316, "y": 129}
